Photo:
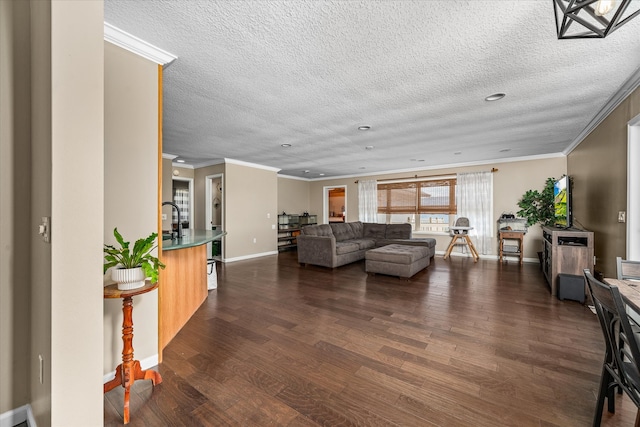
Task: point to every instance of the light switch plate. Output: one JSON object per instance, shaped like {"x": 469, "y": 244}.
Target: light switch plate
{"x": 622, "y": 216}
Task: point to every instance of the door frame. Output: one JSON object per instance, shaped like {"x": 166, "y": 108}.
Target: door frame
{"x": 191, "y": 204}
{"x": 633, "y": 188}
{"x": 208, "y": 214}
{"x": 325, "y": 202}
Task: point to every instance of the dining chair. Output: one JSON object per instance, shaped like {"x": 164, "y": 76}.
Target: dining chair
{"x": 620, "y": 366}
{"x": 627, "y": 269}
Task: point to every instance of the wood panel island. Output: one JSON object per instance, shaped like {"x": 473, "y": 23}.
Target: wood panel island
{"x": 183, "y": 282}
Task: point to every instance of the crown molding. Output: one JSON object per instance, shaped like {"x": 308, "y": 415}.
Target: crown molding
{"x": 182, "y": 165}
{"x": 138, "y": 46}
{"x": 446, "y": 166}
{"x": 251, "y": 165}
{"x": 297, "y": 178}
{"x": 616, "y": 99}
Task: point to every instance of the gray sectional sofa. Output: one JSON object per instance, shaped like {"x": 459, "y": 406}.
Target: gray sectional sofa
{"x": 333, "y": 245}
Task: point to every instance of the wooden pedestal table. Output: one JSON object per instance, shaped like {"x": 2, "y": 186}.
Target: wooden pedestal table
{"x": 129, "y": 370}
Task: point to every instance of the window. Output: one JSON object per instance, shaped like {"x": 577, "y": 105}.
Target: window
{"x": 430, "y": 206}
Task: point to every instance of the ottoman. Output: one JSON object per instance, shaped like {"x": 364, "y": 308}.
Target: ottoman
{"x": 397, "y": 260}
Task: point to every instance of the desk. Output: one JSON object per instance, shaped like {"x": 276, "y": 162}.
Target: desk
{"x": 129, "y": 370}
{"x": 630, "y": 291}
{"x": 511, "y": 235}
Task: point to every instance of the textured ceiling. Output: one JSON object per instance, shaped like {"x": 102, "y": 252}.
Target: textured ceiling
{"x": 252, "y": 75}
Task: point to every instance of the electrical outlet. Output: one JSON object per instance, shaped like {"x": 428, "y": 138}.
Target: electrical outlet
{"x": 164, "y": 217}
{"x": 268, "y": 216}
{"x": 273, "y": 226}
{"x": 622, "y": 216}
{"x": 254, "y": 240}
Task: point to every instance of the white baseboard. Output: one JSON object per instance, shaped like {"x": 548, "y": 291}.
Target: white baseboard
{"x": 244, "y": 257}
{"x": 493, "y": 257}
{"x": 17, "y": 416}
{"x": 147, "y": 363}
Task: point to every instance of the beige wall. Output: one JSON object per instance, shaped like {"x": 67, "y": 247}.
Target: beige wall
{"x": 131, "y": 163}
{"x": 599, "y": 170}
{"x": 509, "y": 184}
{"x": 77, "y": 108}
{"x": 293, "y": 196}
{"x": 41, "y": 207}
{"x": 15, "y": 179}
{"x": 251, "y": 203}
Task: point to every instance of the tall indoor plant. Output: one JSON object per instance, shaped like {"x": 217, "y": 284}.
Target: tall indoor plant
{"x": 132, "y": 265}
{"x": 537, "y": 206}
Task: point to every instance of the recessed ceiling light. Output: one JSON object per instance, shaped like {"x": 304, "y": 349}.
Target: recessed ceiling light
{"x": 457, "y": 153}
{"x": 364, "y": 127}
{"x": 495, "y": 97}
{"x": 285, "y": 145}
{"x": 369, "y": 147}
{"x": 421, "y": 160}
{"x": 321, "y": 174}
{"x": 180, "y": 161}
{"x": 504, "y": 150}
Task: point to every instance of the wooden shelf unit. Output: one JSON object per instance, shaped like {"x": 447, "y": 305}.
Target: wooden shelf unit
{"x": 511, "y": 244}
{"x": 289, "y": 229}
{"x": 567, "y": 251}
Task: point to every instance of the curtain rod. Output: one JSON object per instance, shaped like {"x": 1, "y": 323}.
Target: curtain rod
{"x": 423, "y": 176}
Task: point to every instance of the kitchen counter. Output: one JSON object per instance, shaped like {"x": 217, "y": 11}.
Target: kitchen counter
{"x": 192, "y": 238}
{"x": 183, "y": 282}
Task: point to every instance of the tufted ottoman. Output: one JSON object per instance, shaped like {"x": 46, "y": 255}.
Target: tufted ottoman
{"x": 397, "y": 260}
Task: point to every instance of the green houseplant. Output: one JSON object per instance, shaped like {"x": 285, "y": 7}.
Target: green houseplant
{"x": 537, "y": 206}
{"x": 132, "y": 265}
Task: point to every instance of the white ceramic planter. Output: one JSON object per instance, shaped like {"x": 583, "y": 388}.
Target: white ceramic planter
{"x": 128, "y": 278}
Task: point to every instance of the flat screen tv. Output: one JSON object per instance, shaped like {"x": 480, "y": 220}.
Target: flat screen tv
{"x": 562, "y": 202}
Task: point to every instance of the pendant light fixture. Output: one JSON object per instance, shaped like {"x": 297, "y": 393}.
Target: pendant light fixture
{"x": 583, "y": 19}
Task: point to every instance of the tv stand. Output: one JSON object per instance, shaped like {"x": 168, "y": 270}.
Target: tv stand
{"x": 567, "y": 251}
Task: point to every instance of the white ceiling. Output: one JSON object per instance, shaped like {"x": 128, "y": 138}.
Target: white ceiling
{"x": 252, "y": 75}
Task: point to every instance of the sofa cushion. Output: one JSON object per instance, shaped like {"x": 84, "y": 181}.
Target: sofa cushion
{"x": 342, "y": 231}
{"x": 364, "y": 243}
{"x": 357, "y": 227}
{"x": 346, "y": 247}
{"x": 371, "y": 230}
{"x": 398, "y": 231}
{"x": 317, "y": 230}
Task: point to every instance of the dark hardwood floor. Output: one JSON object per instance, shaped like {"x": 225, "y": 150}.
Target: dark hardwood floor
{"x": 460, "y": 344}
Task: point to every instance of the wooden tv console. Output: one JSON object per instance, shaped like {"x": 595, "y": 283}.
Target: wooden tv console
{"x": 567, "y": 251}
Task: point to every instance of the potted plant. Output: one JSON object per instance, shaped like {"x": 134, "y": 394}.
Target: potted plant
{"x": 132, "y": 266}
{"x": 537, "y": 206}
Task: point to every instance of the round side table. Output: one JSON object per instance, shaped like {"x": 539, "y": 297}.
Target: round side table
{"x": 129, "y": 370}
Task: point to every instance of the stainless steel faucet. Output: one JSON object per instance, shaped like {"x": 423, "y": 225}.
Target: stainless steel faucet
{"x": 179, "y": 223}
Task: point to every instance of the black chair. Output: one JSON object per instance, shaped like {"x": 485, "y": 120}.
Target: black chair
{"x": 620, "y": 367}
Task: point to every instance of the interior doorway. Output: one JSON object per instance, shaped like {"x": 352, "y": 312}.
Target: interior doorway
{"x": 633, "y": 189}
{"x": 182, "y": 196}
{"x": 214, "y": 213}
{"x": 335, "y": 204}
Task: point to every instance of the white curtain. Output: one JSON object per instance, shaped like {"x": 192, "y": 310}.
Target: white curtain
{"x": 474, "y": 199}
{"x": 368, "y": 201}
{"x": 181, "y": 198}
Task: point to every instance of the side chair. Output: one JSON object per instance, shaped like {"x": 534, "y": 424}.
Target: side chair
{"x": 627, "y": 269}
{"x": 620, "y": 367}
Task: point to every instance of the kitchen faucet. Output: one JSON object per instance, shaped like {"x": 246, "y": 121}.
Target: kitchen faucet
{"x": 179, "y": 223}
